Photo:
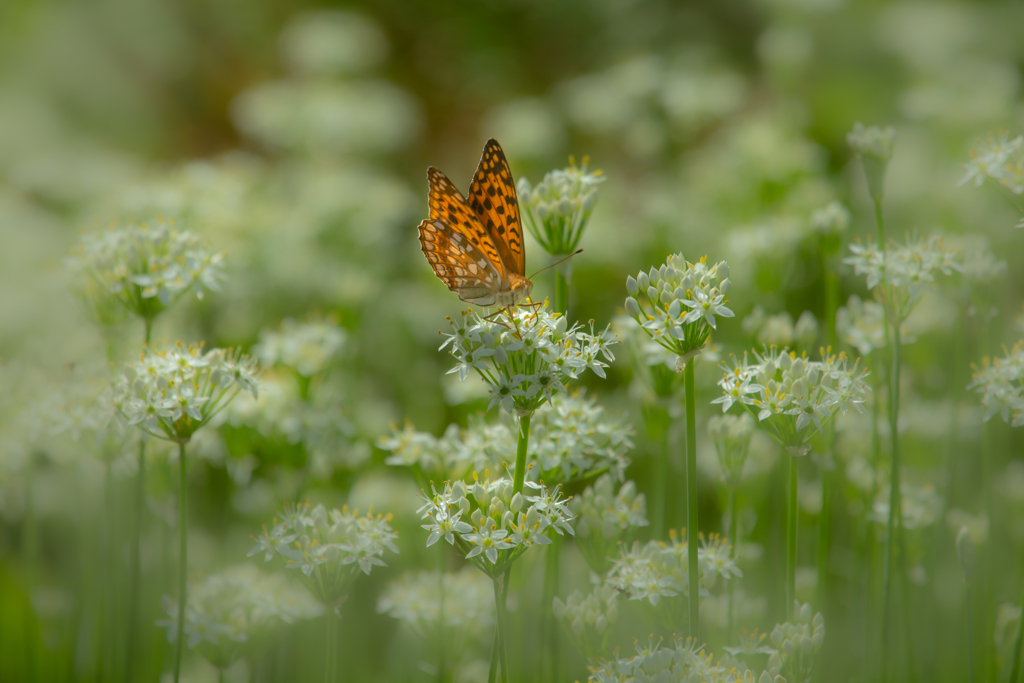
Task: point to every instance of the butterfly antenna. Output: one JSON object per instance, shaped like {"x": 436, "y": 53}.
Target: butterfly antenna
{"x": 554, "y": 264}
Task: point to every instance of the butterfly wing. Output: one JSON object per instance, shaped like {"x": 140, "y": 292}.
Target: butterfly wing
{"x": 492, "y": 196}
{"x": 449, "y": 206}
{"x": 458, "y": 263}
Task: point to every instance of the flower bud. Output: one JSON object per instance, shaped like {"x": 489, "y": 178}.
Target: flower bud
{"x": 517, "y": 502}
{"x": 966, "y": 554}
{"x": 806, "y": 645}
{"x": 632, "y": 307}
{"x": 643, "y": 281}
{"x": 631, "y": 286}
{"x": 652, "y": 293}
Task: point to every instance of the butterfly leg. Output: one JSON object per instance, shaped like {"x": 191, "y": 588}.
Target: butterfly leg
{"x": 494, "y": 315}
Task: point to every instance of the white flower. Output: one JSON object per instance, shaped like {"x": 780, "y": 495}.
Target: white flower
{"x": 999, "y": 158}
{"x": 1000, "y": 381}
{"x": 306, "y": 347}
{"x": 526, "y": 357}
{"x": 606, "y": 517}
{"x": 731, "y": 435}
{"x": 657, "y": 300}
{"x": 467, "y": 606}
{"x": 557, "y": 209}
{"x": 329, "y": 546}
{"x": 144, "y": 268}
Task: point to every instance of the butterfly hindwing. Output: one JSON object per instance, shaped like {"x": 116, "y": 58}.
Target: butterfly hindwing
{"x": 492, "y": 196}
{"x": 448, "y": 205}
{"x": 458, "y": 263}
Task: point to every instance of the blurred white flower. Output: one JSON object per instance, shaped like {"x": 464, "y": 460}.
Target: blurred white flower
{"x": 1000, "y": 381}
{"x": 605, "y": 517}
{"x": 861, "y": 324}
{"x": 680, "y": 661}
{"x": 306, "y": 347}
{"x": 331, "y": 42}
{"x": 920, "y": 505}
{"x": 587, "y": 618}
{"x": 331, "y": 547}
{"x": 797, "y": 645}
{"x": 731, "y": 435}
{"x": 999, "y": 158}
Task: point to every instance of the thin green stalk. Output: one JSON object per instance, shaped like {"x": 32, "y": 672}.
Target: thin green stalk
{"x": 734, "y": 542}
{"x": 894, "y": 493}
{"x": 182, "y": 562}
{"x": 522, "y": 446}
{"x": 442, "y": 662}
{"x": 691, "y": 500}
{"x": 501, "y": 660}
{"x": 793, "y": 512}
{"x": 107, "y": 587}
{"x": 970, "y": 637}
{"x": 136, "y": 562}
{"x": 1017, "y": 646}
{"x": 548, "y": 627}
{"x": 30, "y": 551}
{"x": 880, "y": 224}
{"x": 561, "y": 293}
{"x": 329, "y": 650}
{"x": 825, "y": 528}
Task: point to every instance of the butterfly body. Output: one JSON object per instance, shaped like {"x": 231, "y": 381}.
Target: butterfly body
{"x": 475, "y": 245}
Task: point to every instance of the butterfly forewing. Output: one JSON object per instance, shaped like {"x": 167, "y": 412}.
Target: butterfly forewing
{"x": 492, "y": 196}
{"x": 447, "y": 204}
{"x": 458, "y": 263}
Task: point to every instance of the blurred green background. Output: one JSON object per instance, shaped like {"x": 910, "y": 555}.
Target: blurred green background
{"x": 294, "y": 136}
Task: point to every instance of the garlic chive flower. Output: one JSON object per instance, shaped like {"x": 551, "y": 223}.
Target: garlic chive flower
{"x": 306, "y": 347}
{"x": 830, "y": 222}
{"x": 677, "y": 304}
{"x": 658, "y": 570}
{"x": 587, "y": 618}
{"x": 680, "y": 661}
{"x": 415, "y": 600}
{"x": 171, "y": 392}
{"x": 654, "y": 366}
{"x": 999, "y": 158}
{"x": 873, "y": 146}
{"x": 526, "y": 356}
{"x": 901, "y": 273}
{"x": 1000, "y": 381}
{"x": 491, "y": 526}
{"x": 791, "y": 396}
{"x": 233, "y": 613}
{"x": 605, "y": 517}
{"x": 145, "y": 268}
{"x": 797, "y": 645}
{"x": 330, "y": 547}
{"x": 861, "y": 325}
{"x": 731, "y": 434}
{"x": 920, "y": 505}
{"x": 557, "y": 209}
{"x": 779, "y": 329}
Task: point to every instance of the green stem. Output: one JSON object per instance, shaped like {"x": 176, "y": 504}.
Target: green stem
{"x": 107, "y": 588}
{"x": 499, "y": 649}
{"x": 548, "y": 628}
{"x": 880, "y": 223}
{"x": 182, "y": 562}
{"x": 825, "y": 527}
{"x": 894, "y": 492}
{"x": 442, "y": 663}
{"x": 1017, "y": 646}
{"x": 970, "y": 638}
{"x": 136, "y": 560}
{"x": 691, "y": 501}
{"x": 149, "y": 329}
{"x": 734, "y": 542}
{"x": 522, "y": 445}
{"x": 791, "y": 531}
{"x": 329, "y": 649}
{"x": 561, "y": 293}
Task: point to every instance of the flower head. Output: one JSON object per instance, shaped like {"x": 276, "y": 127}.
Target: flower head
{"x": 557, "y": 209}
{"x": 491, "y": 525}
{"x": 901, "y": 273}
{"x": 830, "y": 222}
{"x": 796, "y": 644}
{"x": 731, "y": 435}
{"x": 1000, "y": 381}
{"x": 793, "y": 397}
{"x": 330, "y": 547}
{"x": 999, "y": 158}
{"x": 682, "y": 660}
{"x": 779, "y": 329}
{"x": 171, "y": 392}
{"x": 231, "y": 613}
{"x": 587, "y": 617}
{"x": 142, "y": 268}
{"x": 606, "y": 517}
{"x": 307, "y": 347}
{"x": 680, "y": 303}
{"x": 466, "y": 607}
{"x": 526, "y": 356}
{"x": 861, "y": 324}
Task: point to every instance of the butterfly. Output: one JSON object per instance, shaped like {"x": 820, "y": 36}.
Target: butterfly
{"x": 475, "y": 245}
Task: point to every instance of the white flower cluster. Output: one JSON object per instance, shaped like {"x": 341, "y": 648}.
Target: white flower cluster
{"x": 503, "y": 526}
{"x": 682, "y": 300}
{"x": 796, "y": 645}
{"x": 415, "y": 599}
{"x": 682, "y": 661}
{"x": 171, "y": 392}
{"x": 1000, "y": 381}
{"x": 605, "y": 517}
{"x": 573, "y": 438}
{"x": 232, "y": 613}
{"x": 831, "y": 220}
{"x": 861, "y": 325}
{"x": 999, "y": 158}
{"x": 779, "y": 329}
{"x": 526, "y": 356}
{"x": 793, "y": 396}
{"x": 904, "y": 271}
{"x": 731, "y": 435}
{"x": 654, "y": 366}
{"x": 658, "y": 570}
{"x": 306, "y": 347}
{"x": 920, "y": 505}
{"x": 144, "y": 268}
{"x": 557, "y": 209}
{"x": 329, "y": 546}
{"x": 588, "y": 617}
{"x": 872, "y": 141}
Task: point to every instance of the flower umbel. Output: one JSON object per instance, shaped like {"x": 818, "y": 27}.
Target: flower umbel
{"x": 680, "y": 303}
{"x": 557, "y": 209}
{"x": 605, "y": 518}
{"x": 1000, "y": 381}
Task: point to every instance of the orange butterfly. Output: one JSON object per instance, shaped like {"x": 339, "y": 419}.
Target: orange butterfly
{"x": 475, "y": 246}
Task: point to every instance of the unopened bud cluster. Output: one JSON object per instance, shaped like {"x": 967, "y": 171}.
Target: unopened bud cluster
{"x": 796, "y": 645}
{"x": 557, "y": 209}
{"x": 605, "y": 517}
{"x": 731, "y": 435}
